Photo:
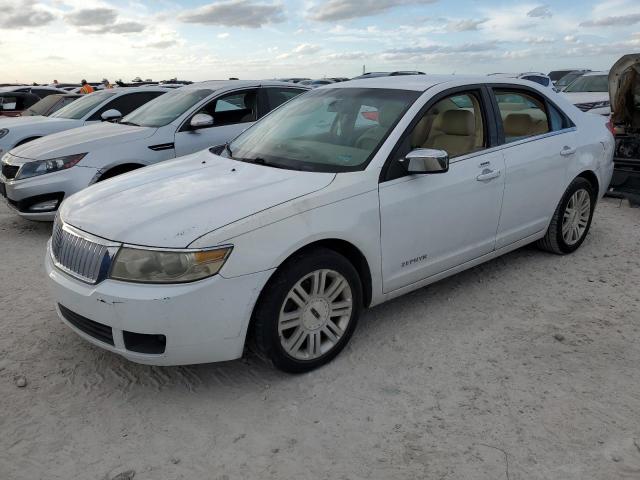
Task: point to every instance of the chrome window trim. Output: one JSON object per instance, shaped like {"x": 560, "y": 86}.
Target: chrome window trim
{"x": 505, "y": 146}
{"x": 469, "y": 156}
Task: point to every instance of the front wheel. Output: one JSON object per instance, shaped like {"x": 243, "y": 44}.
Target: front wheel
{"x": 572, "y": 219}
{"x": 308, "y": 311}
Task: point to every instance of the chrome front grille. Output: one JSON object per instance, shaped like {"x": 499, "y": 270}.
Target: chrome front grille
{"x": 81, "y": 255}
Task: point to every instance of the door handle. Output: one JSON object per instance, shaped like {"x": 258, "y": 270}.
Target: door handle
{"x": 488, "y": 175}
{"x": 566, "y": 151}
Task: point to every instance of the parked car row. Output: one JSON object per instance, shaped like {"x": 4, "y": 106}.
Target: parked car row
{"x": 290, "y": 209}
{"x": 38, "y": 173}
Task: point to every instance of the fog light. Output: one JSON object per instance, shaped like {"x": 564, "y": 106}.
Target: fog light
{"x": 46, "y": 206}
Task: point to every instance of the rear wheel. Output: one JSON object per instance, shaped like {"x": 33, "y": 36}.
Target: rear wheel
{"x": 308, "y": 311}
{"x": 572, "y": 219}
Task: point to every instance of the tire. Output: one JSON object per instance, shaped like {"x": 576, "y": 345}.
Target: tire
{"x": 299, "y": 333}
{"x": 576, "y": 225}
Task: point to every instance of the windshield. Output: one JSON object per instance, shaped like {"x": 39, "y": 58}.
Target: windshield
{"x": 589, "y": 83}
{"x": 328, "y": 130}
{"x": 166, "y": 108}
{"x": 567, "y": 79}
{"x": 41, "y": 107}
{"x": 82, "y": 106}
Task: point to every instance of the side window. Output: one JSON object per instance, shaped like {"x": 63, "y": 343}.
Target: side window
{"x": 231, "y": 109}
{"x": 455, "y": 124}
{"x": 523, "y": 115}
{"x": 127, "y": 103}
{"x": 9, "y": 103}
{"x": 557, "y": 120}
{"x": 278, "y": 96}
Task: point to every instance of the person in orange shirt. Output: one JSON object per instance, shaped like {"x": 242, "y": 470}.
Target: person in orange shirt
{"x": 86, "y": 88}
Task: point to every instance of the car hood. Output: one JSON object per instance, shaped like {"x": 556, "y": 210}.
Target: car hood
{"x": 81, "y": 140}
{"x": 622, "y": 66}
{"x": 174, "y": 203}
{"x": 586, "y": 97}
{"x": 15, "y": 122}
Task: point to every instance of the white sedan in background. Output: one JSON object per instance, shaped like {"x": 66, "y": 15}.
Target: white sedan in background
{"x": 89, "y": 109}
{"x": 590, "y": 93}
{"x": 183, "y": 121}
{"x": 319, "y": 211}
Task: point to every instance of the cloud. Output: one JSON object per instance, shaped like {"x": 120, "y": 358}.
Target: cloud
{"x": 300, "y": 51}
{"x": 124, "y": 27}
{"x": 236, "y": 13}
{"x": 436, "y": 49}
{"x": 223, "y": 35}
{"x": 306, "y": 49}
{"x": 626, "y": 20}
{"x": 538, "y": 40}
{"x": 89, "y": 17}
{"x": 332, "y": 10}
{"x": 98, "y": 21}
{"x": 19, "y": 14}
{"x": 465, "y": 25}
{"x": 542, "y": 11}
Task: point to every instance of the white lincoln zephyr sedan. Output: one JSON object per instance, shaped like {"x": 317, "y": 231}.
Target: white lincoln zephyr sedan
{"x": 343, "y": 198}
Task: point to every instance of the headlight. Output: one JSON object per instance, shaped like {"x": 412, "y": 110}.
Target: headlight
{"x": 166, "y": 266}
{"x": 40, "y": 167}
{"x": 3, "y": 132}
{"x": 602, "y": 104}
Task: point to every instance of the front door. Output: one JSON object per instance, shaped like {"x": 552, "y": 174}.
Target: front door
{"x": 434, "y": 222}
{"x": 232, "y": 114}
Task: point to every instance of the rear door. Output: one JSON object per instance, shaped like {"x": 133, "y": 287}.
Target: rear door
{"x": 232, "y": 113}
{"x": 539, "y": 142}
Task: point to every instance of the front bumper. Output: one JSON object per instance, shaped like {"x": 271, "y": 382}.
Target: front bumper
{"x": 202, "y": 322}
{"x": 23, "y": 195}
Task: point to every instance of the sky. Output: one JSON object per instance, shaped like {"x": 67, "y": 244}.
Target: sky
{"x": 68, "y": 40}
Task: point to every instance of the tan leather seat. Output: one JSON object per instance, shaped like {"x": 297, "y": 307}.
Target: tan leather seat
{"x": 454, "y": 132}
{"x": 522, "y": 125}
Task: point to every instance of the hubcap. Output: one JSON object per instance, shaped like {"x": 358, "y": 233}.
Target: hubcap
{"x": 315, "y": 314}
{"x": 576, "y": 217}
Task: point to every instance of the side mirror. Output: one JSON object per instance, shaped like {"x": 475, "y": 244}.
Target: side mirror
{"x": 111, "y": 115}
{"x": 427, "y": 160}
{"x": 201, "y": 120}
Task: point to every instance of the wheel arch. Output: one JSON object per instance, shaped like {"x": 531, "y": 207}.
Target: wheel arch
{"x": 120, "y": 168}
{"x": 27, "y": 140}
{"x": 592, "y": 178}
{"x": 347, "y": 249}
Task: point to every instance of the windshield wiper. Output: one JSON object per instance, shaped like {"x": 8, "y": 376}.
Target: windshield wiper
{"x": 129, "y": 123}
{"x": 262, "y": 161}
{"x": 227, "y": 147}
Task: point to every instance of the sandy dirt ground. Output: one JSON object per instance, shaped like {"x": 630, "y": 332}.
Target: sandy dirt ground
{"x": 526, "y": 367}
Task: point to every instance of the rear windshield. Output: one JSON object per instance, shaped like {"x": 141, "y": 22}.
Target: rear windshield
{"x": 81, "y": 107}
{"x": 589, "y": 83}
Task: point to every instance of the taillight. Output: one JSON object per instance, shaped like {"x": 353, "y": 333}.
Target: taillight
{"x": 611, "y": 127}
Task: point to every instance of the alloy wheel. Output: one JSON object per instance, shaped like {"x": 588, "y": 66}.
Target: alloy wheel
{"x": 315, "y": 314}
{"x": 576, "y": 217}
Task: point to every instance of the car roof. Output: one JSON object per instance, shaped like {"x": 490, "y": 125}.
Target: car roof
{"x": 220, "y": 85}
{"x": 422, "y": 83}
{"x": 591, "y": 74}
{"x": 119, "y": 90}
